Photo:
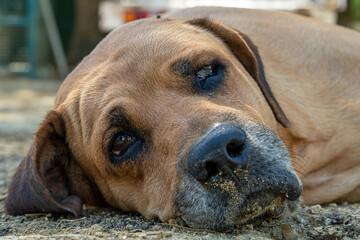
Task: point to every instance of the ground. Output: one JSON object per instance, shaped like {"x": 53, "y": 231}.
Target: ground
{"x": 23, "y": 105}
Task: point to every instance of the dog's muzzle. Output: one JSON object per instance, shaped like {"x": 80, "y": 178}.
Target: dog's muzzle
{"x": 224, "y": 149}
{"x": 236, "y": 174}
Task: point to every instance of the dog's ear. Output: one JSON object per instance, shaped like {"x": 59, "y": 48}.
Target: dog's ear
{"x": 247, "y": 53}
{"x": 41, "y": 182}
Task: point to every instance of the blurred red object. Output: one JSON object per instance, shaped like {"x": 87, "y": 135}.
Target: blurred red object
{"x": 133, "y": 13}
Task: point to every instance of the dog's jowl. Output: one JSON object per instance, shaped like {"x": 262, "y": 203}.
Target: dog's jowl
{"x": 213, "y": 116}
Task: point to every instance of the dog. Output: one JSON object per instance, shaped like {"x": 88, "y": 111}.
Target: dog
{"x": 211, "y": 116}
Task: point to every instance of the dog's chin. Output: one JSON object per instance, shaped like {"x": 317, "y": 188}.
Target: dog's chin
{"x": 263, "y": 209}
{"x": 255, "y": 209}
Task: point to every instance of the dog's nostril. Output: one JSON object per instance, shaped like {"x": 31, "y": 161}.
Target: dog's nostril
{"x": 211, "y": 169}
{"x": 235, "y": 148}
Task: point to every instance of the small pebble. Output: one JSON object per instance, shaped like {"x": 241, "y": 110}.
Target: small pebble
{"x": 315, "y": 209}
{"x": 250, "y": 227}
{"x": 129, "y": 227}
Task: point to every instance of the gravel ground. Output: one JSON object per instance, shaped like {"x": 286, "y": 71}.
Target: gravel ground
{"x": 23, "y": 104}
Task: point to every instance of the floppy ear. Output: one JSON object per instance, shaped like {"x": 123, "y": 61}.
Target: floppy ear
{"x": 41, "y": 182}
{"x": 247, "y": 53}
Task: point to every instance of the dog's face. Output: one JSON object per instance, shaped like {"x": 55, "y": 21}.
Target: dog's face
{"x": 170, "y": 119}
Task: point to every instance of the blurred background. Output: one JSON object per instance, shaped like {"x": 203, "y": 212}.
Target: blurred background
{"x": 41, "y": 41}
{"x": 48, "y": 38}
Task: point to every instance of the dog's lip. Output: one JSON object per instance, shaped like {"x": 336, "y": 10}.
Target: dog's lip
{"x": 253, "y": 208}
{"x": 280, "y": 212}
{"x": 271, "y": 211}
{"x": 276, "y": 209}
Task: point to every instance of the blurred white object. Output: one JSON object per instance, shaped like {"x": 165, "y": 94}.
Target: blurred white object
{"x": 287, "y": 5}
{"x": 112, "y": 11}
{"x": 110, "y": 15}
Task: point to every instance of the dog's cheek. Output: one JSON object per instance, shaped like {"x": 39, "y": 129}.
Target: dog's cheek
{"x": 121, "y": 185}
{"x": 160, "y": 181}
{"x": 80, "y": 183}
{"x": 243, "y": 95}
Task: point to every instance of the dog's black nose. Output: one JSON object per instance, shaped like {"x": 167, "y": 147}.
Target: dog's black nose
{"x": 223, "y": 145}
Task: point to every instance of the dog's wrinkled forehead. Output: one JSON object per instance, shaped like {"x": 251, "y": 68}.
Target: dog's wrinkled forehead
{"x": 157, "y": 36}
{"x": 134, "y": 49}
{"x": 138, "y": 56}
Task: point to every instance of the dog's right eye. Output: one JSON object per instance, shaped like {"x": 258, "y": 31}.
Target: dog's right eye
{"x": 124, "y": 147}
{"x": 209, "y": 77}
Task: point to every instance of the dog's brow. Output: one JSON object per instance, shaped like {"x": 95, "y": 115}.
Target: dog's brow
{"x": 187, "y": 68}
{"x": 117, "y": 117}
{"x": 183, "y": 67}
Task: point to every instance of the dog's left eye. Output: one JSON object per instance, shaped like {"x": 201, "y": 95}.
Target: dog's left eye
{"x": 121, "y": 144}
{"x": 125, "y": 147}
{"x": 209, "y": 77}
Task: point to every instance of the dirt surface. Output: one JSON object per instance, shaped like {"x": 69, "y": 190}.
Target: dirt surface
{"x": 24, "y": 103}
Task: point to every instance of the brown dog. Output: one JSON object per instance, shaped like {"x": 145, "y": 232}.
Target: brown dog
{"x": 175, "y": 118}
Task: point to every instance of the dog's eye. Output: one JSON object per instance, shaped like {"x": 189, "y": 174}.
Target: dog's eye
{"x": 125, "y": 147}
{"x": 205, "y": 72}
{"x": 209, "y": 77}
{"x": 121, "y": 144}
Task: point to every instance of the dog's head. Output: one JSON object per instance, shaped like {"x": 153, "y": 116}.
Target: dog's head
{"x": 166, "y": 117}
